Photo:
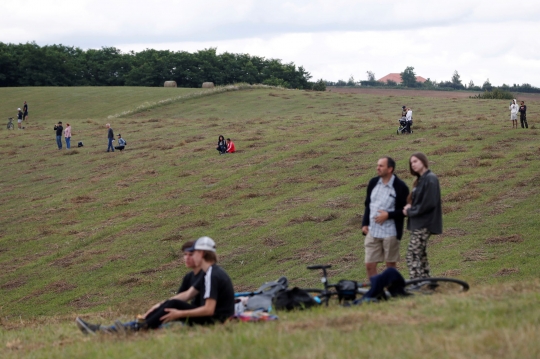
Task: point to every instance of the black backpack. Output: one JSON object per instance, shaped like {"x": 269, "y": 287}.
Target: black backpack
{"x": 295, "y": 298}
{"x": 263, "y": 299}
{"x": 346, "y": 290}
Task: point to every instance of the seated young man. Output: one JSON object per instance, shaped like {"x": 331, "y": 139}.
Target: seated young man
{"x": 230, "y": 146}
{"x": 121, "y": 143}
{"x": 214, "y": 291}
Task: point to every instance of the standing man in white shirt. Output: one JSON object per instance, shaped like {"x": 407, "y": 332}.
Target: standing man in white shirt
{"x": 383, "y": 218}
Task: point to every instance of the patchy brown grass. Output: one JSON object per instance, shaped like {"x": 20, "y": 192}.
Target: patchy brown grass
{"x": 513, "y": 238}
{"x": 339, "y": 203}
{"x": 272, "y": 242}
{"x": 82, "y": 199}
{"x": 12, "y": 284}
{"x": 307, "y": 218}
{"x": 195, "y": 224}
{"x": 252, "y": 222}
{"x": 475, "y": 255}
{"x": 174, "y": 237}
{"x": 449, "y": 149}
{"x": 463, "y": 195}
{"x": 506, "y": 271}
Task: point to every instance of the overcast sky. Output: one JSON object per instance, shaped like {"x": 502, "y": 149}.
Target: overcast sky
{"x": 333, "y": 40}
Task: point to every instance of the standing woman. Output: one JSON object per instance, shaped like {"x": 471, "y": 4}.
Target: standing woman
{"x": 425, "y": 214}
{"x": 67, "y": 135}
{"x": 513, "y": 113}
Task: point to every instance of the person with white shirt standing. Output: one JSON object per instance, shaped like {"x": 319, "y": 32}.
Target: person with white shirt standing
{"x": 383, "y": 218}
{"x": 514, "y": 108}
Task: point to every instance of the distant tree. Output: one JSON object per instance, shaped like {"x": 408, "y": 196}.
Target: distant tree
{"x": 319, "y": 85}
{"x": 428, "y": 84}
{"x": 274, "y": 81}
{"x": 370, "y": 76}
{"x": 351, "y": 81}
{"x": 471, "y": 84}
{"x": 408, "y": 77}
{"x": 391, "y": 83}
{"x": 487, "y": 86}
{"x": 456, "y": 81}
{"x": 341, "y": 83}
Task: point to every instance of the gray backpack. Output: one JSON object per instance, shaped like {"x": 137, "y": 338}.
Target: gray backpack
{"x": 262, "y": 300}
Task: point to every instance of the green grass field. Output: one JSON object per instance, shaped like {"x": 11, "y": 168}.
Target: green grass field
{"x": 85, "y": 232}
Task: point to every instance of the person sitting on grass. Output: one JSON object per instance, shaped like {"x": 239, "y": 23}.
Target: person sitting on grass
{"x": 221, "y": 145}
{"x": 121, "y": 143}
{"x": 215, "y": 292}
{"x": 230, "y": 146}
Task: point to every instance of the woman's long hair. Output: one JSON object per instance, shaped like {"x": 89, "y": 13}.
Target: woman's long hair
{"x": 423, "y": 158}
{"x": 221, "y": 138}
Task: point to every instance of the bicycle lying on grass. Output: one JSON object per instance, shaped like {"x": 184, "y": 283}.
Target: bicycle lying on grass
{"x": 348, "y": 290}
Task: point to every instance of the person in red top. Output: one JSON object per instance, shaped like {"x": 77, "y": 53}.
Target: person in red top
{"x": 230, "y": 146}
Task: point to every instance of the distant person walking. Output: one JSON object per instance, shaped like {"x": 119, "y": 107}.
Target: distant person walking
{"x": 59, "y": 129}
{"x": 513, "y": 113}
{"x": 67, "y": 135}
{"x": 110, "y": 136}
{"x": 25, "y": 111}
{"x": 523, "y": 115}
{"x": 425, "y": 214}
{"x": 382, "y": 222}
{"x": 19, "y": 118}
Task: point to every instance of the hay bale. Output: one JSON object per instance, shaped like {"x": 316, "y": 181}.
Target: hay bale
{"x": 208, "y": 85}
{"x": 169, "y": 84}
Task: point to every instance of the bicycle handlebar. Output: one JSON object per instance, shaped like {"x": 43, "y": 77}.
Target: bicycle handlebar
{"x": 320, "y": 266}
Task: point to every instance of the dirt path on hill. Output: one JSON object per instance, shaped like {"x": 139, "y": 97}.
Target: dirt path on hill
{"x": 421, "y": 93}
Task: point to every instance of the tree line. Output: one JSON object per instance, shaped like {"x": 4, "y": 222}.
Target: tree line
{"x": 408, "y": 79}
{"x": 58, "y": 65}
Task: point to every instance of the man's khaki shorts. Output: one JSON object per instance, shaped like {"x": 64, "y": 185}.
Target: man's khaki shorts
{"x": 381, "y": 249}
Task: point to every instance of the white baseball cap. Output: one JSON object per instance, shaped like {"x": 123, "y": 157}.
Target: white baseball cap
{"x": 19, "y": 109}
{"x": 203, "y": 244}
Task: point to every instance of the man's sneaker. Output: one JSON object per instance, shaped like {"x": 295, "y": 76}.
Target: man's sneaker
{"x": 87, "y": 328}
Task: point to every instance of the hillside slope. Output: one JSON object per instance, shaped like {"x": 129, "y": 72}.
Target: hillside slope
{"x": 84, "y": 230}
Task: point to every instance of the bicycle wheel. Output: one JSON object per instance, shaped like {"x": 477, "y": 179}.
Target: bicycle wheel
{"x": 436, "y": 285}
{"x": 10, "y": 126}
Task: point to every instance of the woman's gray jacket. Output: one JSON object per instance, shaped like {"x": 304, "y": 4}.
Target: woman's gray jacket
{"x": 426, "y": 209}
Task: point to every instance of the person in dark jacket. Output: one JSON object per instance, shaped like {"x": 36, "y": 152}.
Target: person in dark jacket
{"x": 425, "y": 214}
{"x": 221, "y": 145}
{"x": 110, "y": 136}
{"x": 59, "y": 129}
{"x": 382, "y": 222}
{"x": 523, "y": 115}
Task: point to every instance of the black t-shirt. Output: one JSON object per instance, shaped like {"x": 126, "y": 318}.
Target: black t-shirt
{"x": 217, "y": 285}
{"x": 25, "y": 108}
{"x": 191, "y": 280}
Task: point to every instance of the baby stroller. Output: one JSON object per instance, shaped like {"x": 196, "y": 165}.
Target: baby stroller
{"x": 404, "y": 126}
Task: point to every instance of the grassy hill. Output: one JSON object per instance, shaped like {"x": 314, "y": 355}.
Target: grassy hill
{"x": 85, "y": 231}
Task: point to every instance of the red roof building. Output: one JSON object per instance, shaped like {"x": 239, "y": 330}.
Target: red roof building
{"x": 397, "y": 78}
